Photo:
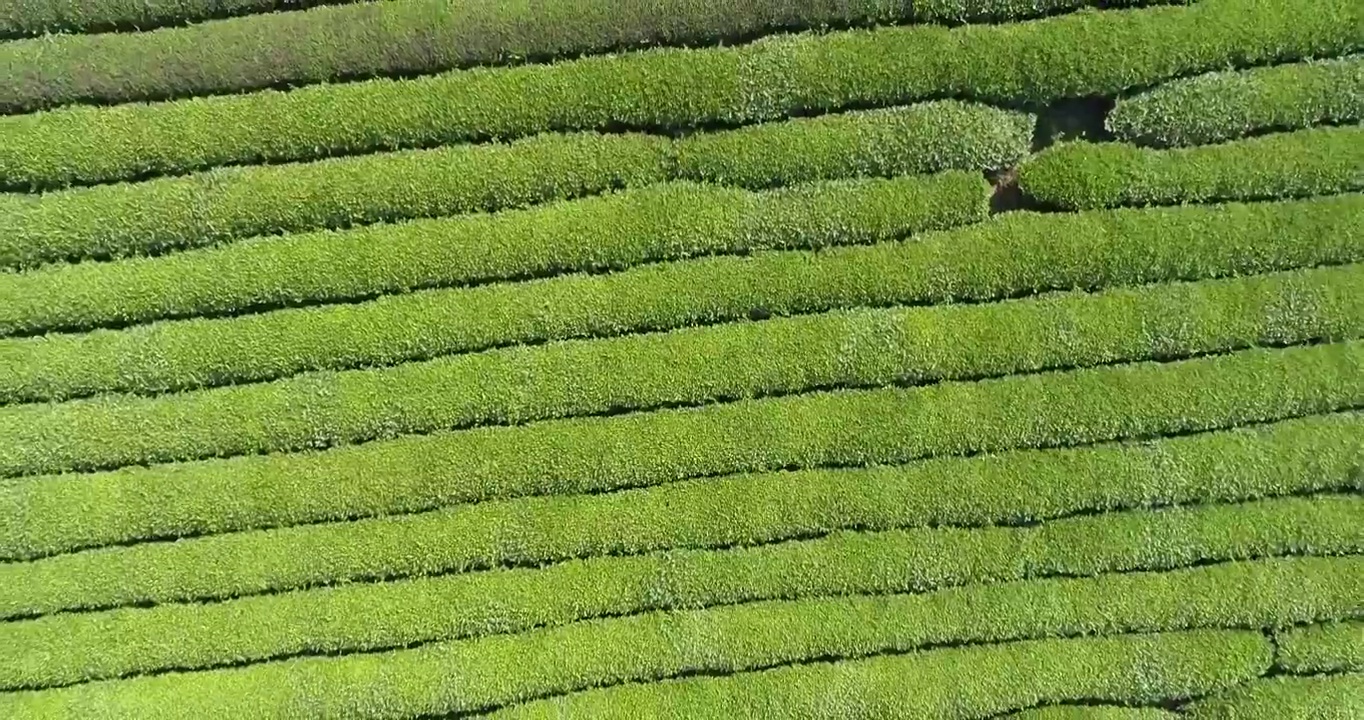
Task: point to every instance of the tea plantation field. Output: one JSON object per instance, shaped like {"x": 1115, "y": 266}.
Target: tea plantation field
{"x": 636, "y": 359}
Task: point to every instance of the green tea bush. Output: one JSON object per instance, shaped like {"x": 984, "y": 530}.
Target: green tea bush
{"x": 1333, "y": 647}
{"x": 72, "y": 647}
{"x": 1333, "y": 697}
{"x": 1081, "y": 175}
{"x": 34, "y": 17}
{"x": 886, "y": 426}
{"x": 1011, "y": 255}
{"x": 921, "y": 138}
{"x": 229, "y": 203}
{"x": 690, "y": 366}
{"x": 1290, "y": 457}
{"x": 232, "y": 203}
{"x": 1086, "y": 53}
{"x": 898, "y": 687}
{"x": 1222, "y": 106}
{"x": 1132, "y": 669}
{"x": 662, "y": 222}
{"x": 497, "y": 671}
{"x": 1093, "y": 712}
{"x": 403, "y": 37}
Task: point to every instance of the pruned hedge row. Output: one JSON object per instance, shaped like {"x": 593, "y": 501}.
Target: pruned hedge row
{"x": 111, "y": 221}
{"x": 593, "y": 454}
{"x": 1292, "y": 457}
{"x": 956, "y": 682}
{"x": 73, "y": 647}
{"x": 690, "y": 366}
{"x": 156, "y": 574}
{"x": 1082, "y": 175}
{"x": 1333, "y": 647}
{"x": 922, "y": 138}
{"x": 35, "y": 17}
{"x": 1012, "y": 255}
{"x": 232, "y": 203}
{"x": 662, "y": 222}
{"x": 1296, "y": 456}
{"x": 1093, "y": 712}
{"x": 1222, "y": 106}
{"x": 1046, "y": 251}
{"x": 419, "y": 36}
{"x": 499, "y": 670}
{"x": 1332, "y": 697}
{"x": 69, "y": 647}
{"x": 672, "y": 88}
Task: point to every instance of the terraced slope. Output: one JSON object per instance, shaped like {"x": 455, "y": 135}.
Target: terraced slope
{"x": 671, "y": 359}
